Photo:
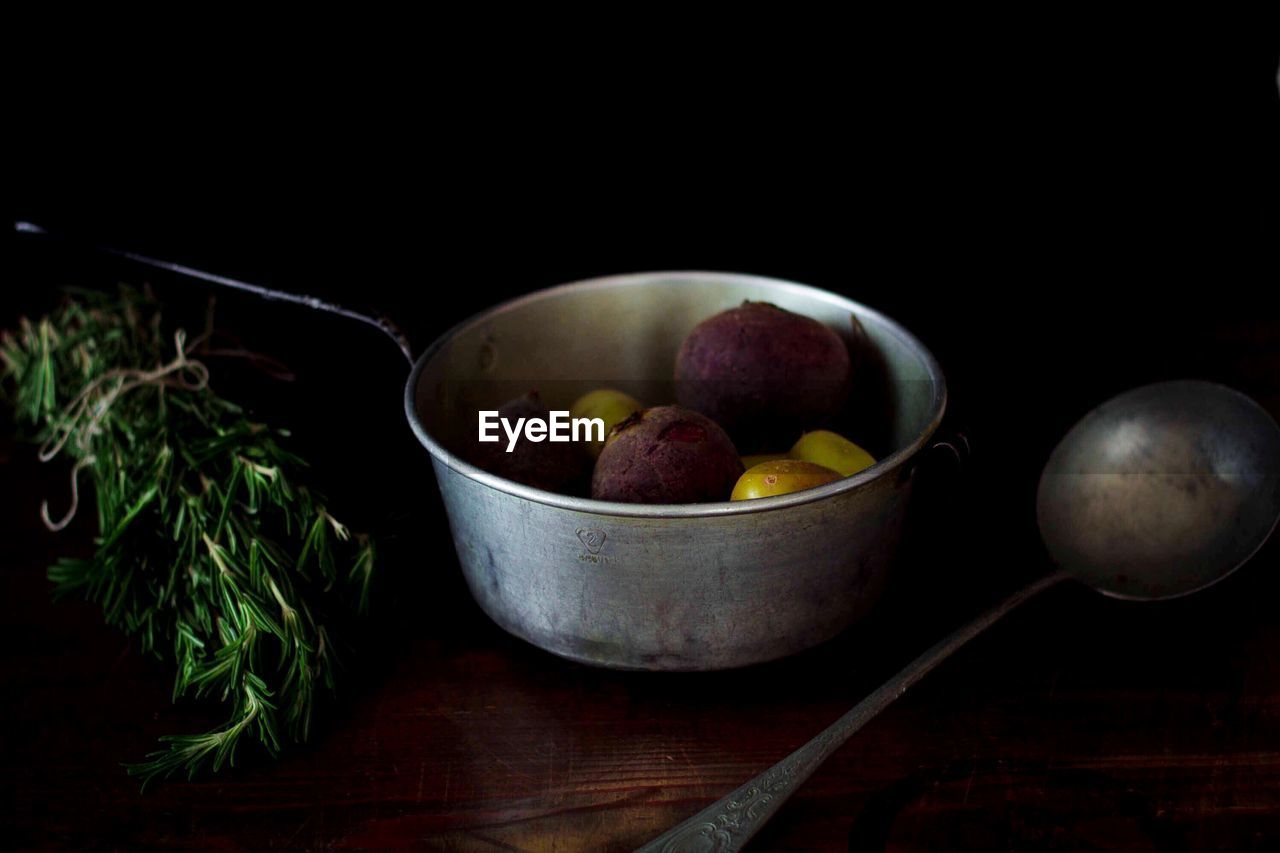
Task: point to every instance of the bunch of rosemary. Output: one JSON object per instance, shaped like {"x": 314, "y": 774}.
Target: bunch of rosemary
{"x": 210, "y": 550}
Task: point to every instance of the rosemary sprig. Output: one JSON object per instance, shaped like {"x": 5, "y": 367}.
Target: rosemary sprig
{"x": 211, "y": 551}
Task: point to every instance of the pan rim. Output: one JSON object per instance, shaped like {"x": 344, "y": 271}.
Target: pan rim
{"x": 876, "y": 473}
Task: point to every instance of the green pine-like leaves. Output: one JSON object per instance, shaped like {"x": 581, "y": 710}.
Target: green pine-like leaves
{"x": 211, "y": 550}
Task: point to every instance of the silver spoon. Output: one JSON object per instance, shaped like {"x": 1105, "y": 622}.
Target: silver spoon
{"x": 1157, "y": 493}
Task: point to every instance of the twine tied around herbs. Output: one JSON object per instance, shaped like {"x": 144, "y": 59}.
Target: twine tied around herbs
{"x": 94, "y": 401}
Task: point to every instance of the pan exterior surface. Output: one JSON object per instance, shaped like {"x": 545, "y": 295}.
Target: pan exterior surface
{"x": 673, "y": 593}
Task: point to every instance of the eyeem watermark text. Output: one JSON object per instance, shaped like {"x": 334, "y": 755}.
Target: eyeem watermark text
{"x": 559, "y": 428}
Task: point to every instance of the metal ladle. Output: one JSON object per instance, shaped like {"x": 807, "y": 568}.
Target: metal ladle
{"x": 1157, "y": 493}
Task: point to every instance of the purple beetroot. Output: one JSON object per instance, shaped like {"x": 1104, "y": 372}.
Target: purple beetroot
{"x": 553, "y": 466}
{"x": 763, "y": 373}
{"x": 666, "y": 455}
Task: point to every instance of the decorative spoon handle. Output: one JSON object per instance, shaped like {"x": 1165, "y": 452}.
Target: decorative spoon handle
{"x": 730, "y": 822}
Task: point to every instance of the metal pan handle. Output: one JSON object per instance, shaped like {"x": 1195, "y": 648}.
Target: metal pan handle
{"x": 946, "y": 457}
{"x": 955, "y": 444}
{"x": 383, "y": 324}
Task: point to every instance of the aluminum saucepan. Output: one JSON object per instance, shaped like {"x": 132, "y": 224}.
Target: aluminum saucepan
{"x": 685, "y": 587}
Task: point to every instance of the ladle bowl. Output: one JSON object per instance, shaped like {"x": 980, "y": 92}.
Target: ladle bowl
{"x": 1162, "y": 490}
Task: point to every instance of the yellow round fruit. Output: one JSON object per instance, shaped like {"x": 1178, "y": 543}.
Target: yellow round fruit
{"x": 781, "y": 477}
{"x": 826, "y": 448}
{"x": 612, "y": 407}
